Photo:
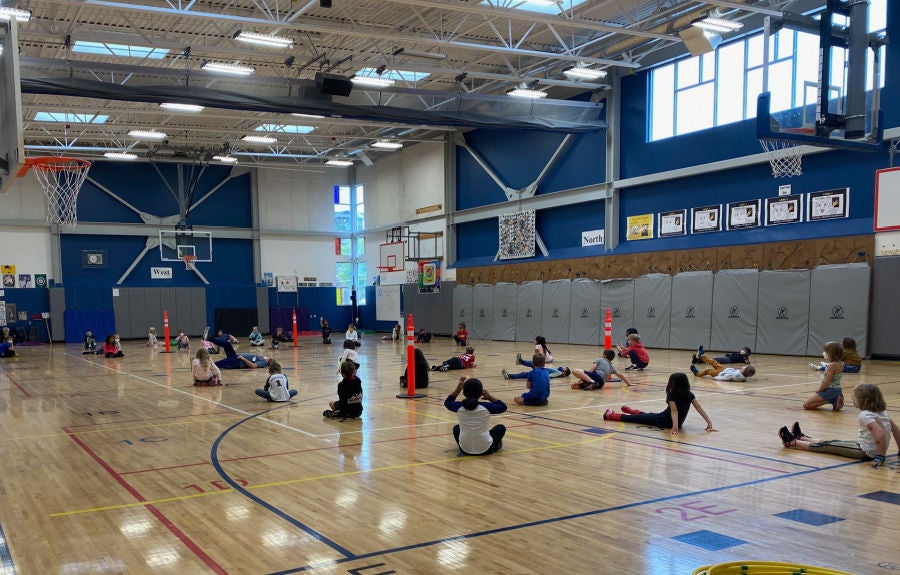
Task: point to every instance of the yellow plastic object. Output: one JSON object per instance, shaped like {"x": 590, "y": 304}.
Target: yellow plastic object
{"x": 765, "y": 568}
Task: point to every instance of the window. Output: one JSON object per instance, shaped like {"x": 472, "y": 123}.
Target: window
{"x": 721, "y": 87}
{"x": 284, "y": 128}
{"x": 119, "y": 50}
{"x": 70, "y": 118}
{"x": 349, "y": 216}
{"x": 342, "y": 208}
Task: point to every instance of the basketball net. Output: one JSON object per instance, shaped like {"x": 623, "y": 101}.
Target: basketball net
{"x": 189, "y": 262}
{"x": 785, "y": 157}
{"x": 61, "y": 180}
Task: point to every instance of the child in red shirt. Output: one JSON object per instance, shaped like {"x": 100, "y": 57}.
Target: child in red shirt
{"x": 636, "y": 352}
{"x": 462, "y": 361}
{"x": 462, "y": 335}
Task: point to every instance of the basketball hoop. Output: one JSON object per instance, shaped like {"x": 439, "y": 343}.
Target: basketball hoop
{"x": 61, "y": 180}
{"x": 189, "y": 262}
{"x": 785, "y": 156}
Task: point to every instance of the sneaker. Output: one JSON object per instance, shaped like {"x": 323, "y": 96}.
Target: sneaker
{"x": 505, "y": 374}
{"x": 576, "y": 386}
{"x": 786, "y": 438}
{"x": 630, "y": 367}
{"x": 814, "y": 366}
{"x": 608, "y": 414}
{"x": 630, "y": 410}
{"x": 327, "y": 413}
{"x": 797, "y": 432}
{"x": 443, "y": 368}
{"x": 694, "y": 369}
{"x": 700, "y": 351}
{"x": 694, "y": 358}
{"x": 518, "y": 359}
{"x": 838, "y": 403}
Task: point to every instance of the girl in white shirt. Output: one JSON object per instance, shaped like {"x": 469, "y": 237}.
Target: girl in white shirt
{"x": 205, "y": 371}
{"x": 349, "y": 355}
{"x": 352, "y": 335}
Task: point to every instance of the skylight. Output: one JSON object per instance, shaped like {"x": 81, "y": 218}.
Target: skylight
{"x": 70, "y": 118}
{"x": 399, "y": 75}
{"x": 119, "y": 50}
{"x": 284, "y": 129}
{"x": 541, "y": 6}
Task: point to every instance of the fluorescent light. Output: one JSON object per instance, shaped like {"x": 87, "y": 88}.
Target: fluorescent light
{"x": 120, "y": 156}
{"x": 228, "y": 68}
{"x": 176, "y": 107}
{"x": 420, "y": 54}
{"x": 147, "y": 135}
{"x": 542, "y": 2}
{"x": 225, "y": 159}
{"x": 339, "y": 163}
{"x": 264, "y": 39}
{"x": 584, "y": 72}
{"x": 718, "y": 24}
{"x": 373, "y": 81}
{"x": 526, "y": 93}
{"x": 313, "y": 116}
{"x": 386, "y": 145}
{"x": 259, "y": 139}
{"x": 19, "y": 15}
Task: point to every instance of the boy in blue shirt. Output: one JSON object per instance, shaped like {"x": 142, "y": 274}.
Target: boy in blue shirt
{"x": 538, "y": 382}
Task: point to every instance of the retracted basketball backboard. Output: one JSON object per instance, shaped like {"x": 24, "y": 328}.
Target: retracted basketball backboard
{"x": 175, "y": 245}
{"x": 392, "y": 257}
{"x": 12, "y": 141}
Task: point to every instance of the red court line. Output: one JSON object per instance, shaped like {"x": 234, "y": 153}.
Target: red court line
{"x": 188, "y": 542}
{"x": 16, "y": 383}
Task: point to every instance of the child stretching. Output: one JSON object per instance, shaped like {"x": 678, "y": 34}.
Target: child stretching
{"x": 276, "y": 388}
{"x": 717, "y": 371}
{"x": 830, "y": 389}
{"x": 635, "y": 352}
{"x": 561, "y": 371}
{"x": 474, "y": 434}
{"x": 740, "y": 356}
{"x": 540, "y": 346}
{"x": 8, "y": 348}
{"x": 182, "y": 341}
{"x": 599, "y": 374}
{"x": 350, "y": 354}
{"x": 462, "y": 361}
{"x": 111, "y": 347}
{"x": 537, "y": 382}
{"x": 873, "y": 437}
{"x": 205, "y": 371}
{"x": 350, "y": 394}
{"x": 852, "y": 362}
{"x": 90, "y": 344}
{"x": 152, "y": 342}
{"x": 679, "y": 399}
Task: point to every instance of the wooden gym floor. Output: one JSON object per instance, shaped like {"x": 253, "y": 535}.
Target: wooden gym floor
{"x": 122, "y": 466}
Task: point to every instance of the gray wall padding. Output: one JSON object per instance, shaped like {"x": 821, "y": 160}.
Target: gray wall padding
{"x": 618, "y": 296}
{"x": 586, "y": 324}
{"x": 886, "y": 278}
{"x": 262, "y": 311}
{"x": 483, "y": 305}
{"x": 734, "y": 312}
{"x": 528, "y": 310}
{"x": 57, "y": 313}
{"x": 691, "y": 321}
{"x": 432, "y": 311}
{"x": 783, "y": 318}
{"x": 653, "y": 309}
{"x": 462, "y": 306}
{"x": 555, "y": 308}
{"x": 136, "y": 309}
{"x": 839, "y": 305}
{"x": 505, "y": 295}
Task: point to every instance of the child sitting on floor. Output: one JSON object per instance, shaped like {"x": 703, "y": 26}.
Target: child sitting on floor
{"x": 462, "y": 361}
{"x": 717, "y": 371}
{"x": 350, "y": 395}
{"x": 538, "y": 383}
{"x": 852, "y": 362}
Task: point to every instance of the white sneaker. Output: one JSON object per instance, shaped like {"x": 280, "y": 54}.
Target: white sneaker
{"x": 443, "y": 368}
{"x": 505, "y": 374}
{"x": 814, "y": 366}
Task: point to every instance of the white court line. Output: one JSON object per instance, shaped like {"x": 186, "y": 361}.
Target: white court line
{"x": 195, "y": 397}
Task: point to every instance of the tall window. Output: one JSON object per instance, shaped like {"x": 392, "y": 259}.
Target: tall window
{"x": 721, "y": 87}
{"x": 350, "y": 267}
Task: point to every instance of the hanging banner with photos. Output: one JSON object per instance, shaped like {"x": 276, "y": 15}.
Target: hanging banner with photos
{"x": 706, "y": 219}
{"x": 828, "y": 205}
{"x": 430, "y": 277}
{"x": 784, "y": 210}
{"x": 672, "y": 223}
{"x": 742, "y": 215}
{"x": 517, "y": 235}
{"x": 640, "y": 227}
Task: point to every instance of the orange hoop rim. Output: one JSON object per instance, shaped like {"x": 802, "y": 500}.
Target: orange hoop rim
{"x": 57, "y": 163}
{"x": 189, "y": 259}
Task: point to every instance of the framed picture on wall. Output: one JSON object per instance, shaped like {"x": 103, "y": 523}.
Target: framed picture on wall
{"x": 828, "y": 205}
{"x": 784, "y": 210}
{"x": 287, "y": 284}
{"x": 706, "y": 219}
{"x": 639, "y": 227}
{"x": 743, "y": 215}
{"x": 672, "y": 223}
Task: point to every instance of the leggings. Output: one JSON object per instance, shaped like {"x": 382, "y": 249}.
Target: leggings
{"x": 837, "y": 447}
{"x": 663, "y": 420}
{"x": 715, "y": 368}
{"x": 497, "y": 432}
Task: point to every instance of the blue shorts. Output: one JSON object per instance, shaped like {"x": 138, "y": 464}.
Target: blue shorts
{"x": 597, "y": 377}
{"x": 531, "y": 399}
{"x": 831, "y": 394}
{"x": 852, "y": 368}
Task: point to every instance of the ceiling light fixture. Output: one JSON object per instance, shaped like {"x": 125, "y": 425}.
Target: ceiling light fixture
{"x": 523, "y": 92}
{"x": 313, "y": 116}
{"x": 264, "y": 39}
{"x": 225, "y": 159}
{"x": 7, "y": 13}
{"x": 176, "y": 107}
{"x": 420, "y": 54}
{"x": 385, "y": 145}
{"x": 714, "y": 24}
{"x": 373, "y": 81}
{"x": 147, "y": 135}
{"x": 120, "y": 156}
{"x": 542, "y": 2}
{"x": 259, "y": 139}
{"x": 227, "y": 68}
{"x": 343, "y": 163}
{"x": 583, "y": 72}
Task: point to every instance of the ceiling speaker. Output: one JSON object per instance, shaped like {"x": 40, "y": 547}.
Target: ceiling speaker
{"x": 333, "y": 84}
{"x": 698, "y": 42}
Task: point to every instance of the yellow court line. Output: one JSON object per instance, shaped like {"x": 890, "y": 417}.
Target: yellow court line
{"x": 319, "y": 477}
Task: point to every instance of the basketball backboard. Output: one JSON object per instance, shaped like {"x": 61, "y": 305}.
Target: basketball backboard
{"x": 12, "y": 141}
{"x": 175, "y": 244}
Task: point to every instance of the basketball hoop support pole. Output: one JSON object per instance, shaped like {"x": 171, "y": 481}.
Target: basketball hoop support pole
{"x": 410, "y": 362}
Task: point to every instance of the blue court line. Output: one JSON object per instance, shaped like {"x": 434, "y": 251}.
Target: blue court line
{"x": 214, "y": 455}
{"x": 568, "y": 517}
{"x": 6, "y": 562}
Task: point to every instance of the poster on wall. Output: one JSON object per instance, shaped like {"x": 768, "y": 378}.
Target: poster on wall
{"x": 639, "y": 227}
{"x": 24, "y": 280}
{"x": 517, "y": 235}
{"x": 9, "y": 280}
{"x": 706, "y": 219}
{"x": 7, "y": 269}
{"x": 672, "y": 223}
{"x": 784, "y": 210}
{"x": 2, "y": 313}
{"x": 268, "y": 279}
{"x": 430, "y": 277}
{"x": 828, "y": 205}
{"x": 287, "y": 284}
{"x": 40, "y": 280}
{"x": 742, "y": 215}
